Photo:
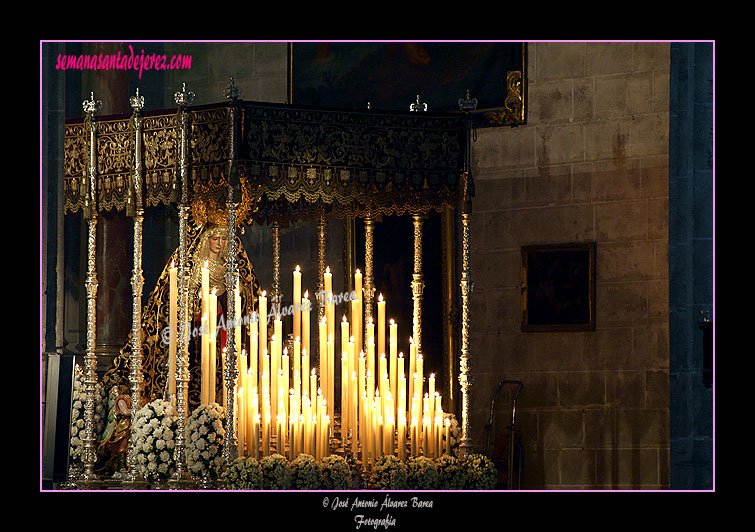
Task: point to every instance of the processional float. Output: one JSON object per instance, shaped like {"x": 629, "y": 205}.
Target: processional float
{"x": 292, "y": 164}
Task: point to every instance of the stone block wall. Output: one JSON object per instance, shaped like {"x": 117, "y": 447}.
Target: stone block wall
{"x": 591, "y": 164}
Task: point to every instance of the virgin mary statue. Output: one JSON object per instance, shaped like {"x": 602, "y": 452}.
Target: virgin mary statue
{"x": 208, "y": 245}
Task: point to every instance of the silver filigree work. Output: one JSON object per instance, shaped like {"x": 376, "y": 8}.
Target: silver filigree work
{"x": 369, "y": 278}
{"x": 417, "y": 284}
{"x": 89, "y": 453}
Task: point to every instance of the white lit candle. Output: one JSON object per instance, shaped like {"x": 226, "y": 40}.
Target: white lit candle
{"x": 305, "y": 315}
{"x": 330, "y": 309}
{"x": 381, "y": 325}
{"x": 205, "y": 361}
{"x": 297, "y": 302}
{"x": 213, "y": 316}
{"x": 173, "y": 322}
{"x": 304, "y": 373}
{"x": 262, "y": 326}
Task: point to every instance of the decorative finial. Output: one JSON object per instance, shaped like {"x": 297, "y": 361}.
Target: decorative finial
{"x": 137, "y": 102}
{"x": 91, "y": 106}
{"x": 468, "y": 103}
{"x": 418, "y": 105}
{"x": 231, "y": 92}
{"x": 184, "y": 98}
{"x": 369, "y": 106}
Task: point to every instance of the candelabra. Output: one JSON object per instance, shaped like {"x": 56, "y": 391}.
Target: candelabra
{"x": 133, "y": 478}
{"x": 88, "y": 479}
{"x": 231, "y": 367}
{"x": 181, "y": 478}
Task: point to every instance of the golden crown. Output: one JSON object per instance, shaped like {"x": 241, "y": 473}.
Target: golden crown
{"x": 209, "y": 203}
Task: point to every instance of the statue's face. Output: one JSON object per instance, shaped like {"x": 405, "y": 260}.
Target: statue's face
{"x": 216, "y": 243}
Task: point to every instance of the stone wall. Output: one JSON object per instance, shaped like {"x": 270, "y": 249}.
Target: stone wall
{"x": 591, "y": 164}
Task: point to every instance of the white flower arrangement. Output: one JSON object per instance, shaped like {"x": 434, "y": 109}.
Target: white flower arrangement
{"x": 244, "y": 473}
{"x": 481, "y": 472}
{"x": 78, "y": 402}
{"x": 276, "y": 472}
{"x": 306, "y": 473}
{"x": 389, "y": 473}
{"x": 451, "y": 473}
{"x": 336, "y": 473}
{"x": 154, "y": 430}
{"x": 205, "y": 435}
{"x": 422, "y": 473}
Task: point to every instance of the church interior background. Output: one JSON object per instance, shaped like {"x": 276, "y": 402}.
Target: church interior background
{"x": 607, "y": 147}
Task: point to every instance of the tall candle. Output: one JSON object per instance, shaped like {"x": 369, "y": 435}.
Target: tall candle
{"x": 344, "y": 335}
{"x": 262, "y": 326}
{"x": 297, "y": 303}
{"x": 361, "y": 378}
{"x": 323, "y": 353}
{"x": 244, "y": 395}
{"x": 393, "y": 349}
{"x": 304, "y": 373}
{"x": 274, "y": 367}
{"x": 345, "y": 396}
{"x": 412, "y": 366}
{"x": 360, "y": 312}
{"x": 255, "y": 453}
{"x": 205, "y": 361}
{"x": 305, "y": 315}
{"x": 419, "y": 383}
{"x": 266, "y": 432}
{"x": 284, "y": 385}
{"x": 297, "y": 367}
{"x": 431, "y": 388}
{"x": 382, "y": 370}
{"x": 331, "y": 377}
{"x": 253, "y": 355}
{"x": 330, "y": 311}
{"x": 237, "y": 318}
{"x": 401, "y": 401}
{"x": 173, "y": 322}
{"x": 353, "y": 413}
{"x": 401, "y": 427}
{"x": 381, "y": 325}
{"x": 213, "y": 315}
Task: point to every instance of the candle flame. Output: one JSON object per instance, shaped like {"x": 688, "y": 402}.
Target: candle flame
{"x": 327, "y": 270}
{"x": 369, "y": 320}
{"x": 173, "y": 264}
{"x": 380, "y": 298}
{"x": 344, "y": 319}
{"x": 401, "y": 354}
{"x": 358, "y": 272}
{"x": 411, "y": 340}
{"x": 351, "y": 340}
{"x": 264, "y": 293}
{"x": 297, "y": 268}
{"x": 306, "y": 294}
{"x": 285, "y": 351}
{"x": 392, "y": 322}
{"x": 206, "y": 264}
{"x": 213, "y": 291}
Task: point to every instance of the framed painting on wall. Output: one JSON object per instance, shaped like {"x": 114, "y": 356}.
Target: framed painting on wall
{"x": 558, "y": 287}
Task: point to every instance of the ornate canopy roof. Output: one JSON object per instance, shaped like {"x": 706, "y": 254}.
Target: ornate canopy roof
{"x": 293, "y": 162}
